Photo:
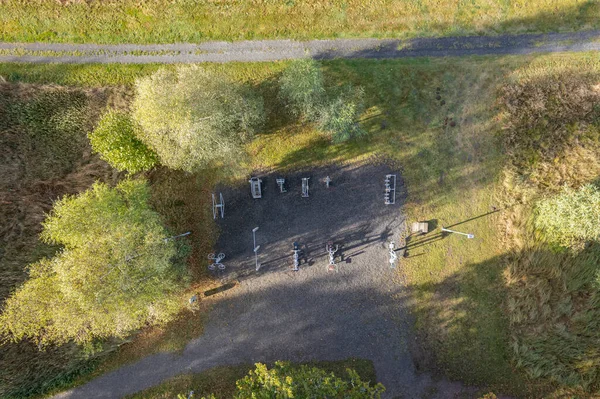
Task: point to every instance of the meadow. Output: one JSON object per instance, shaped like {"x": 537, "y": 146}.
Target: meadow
{"x": 491, "y": 311}
{"x": 162, "y": 21}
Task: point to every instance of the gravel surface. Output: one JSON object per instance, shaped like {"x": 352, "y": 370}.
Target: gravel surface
{"x": 272, "y": 50}
{"x": 312, "y": 314}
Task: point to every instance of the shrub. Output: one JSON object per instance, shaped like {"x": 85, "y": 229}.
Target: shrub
{"x": 114, "y": 274}
{"x": 194, "y": 118}
{"x": 285, "y": 381}
{"x": 115, "y": 139}
{"x": 340, "y": 116}
{"x": 571, "y": 216}
{"x": 301, "y": 89}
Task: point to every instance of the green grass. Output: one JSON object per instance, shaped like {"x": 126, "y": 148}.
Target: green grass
{"x": 453, "y": 175}
{"x": 162, "y": 21}
{"x": 220, "y": 381}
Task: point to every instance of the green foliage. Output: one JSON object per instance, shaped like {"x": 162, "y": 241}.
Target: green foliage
{"x": 302, "y": 89}
{"x": 571, "y": 216}
{"x": 284, "y": 381}
{"x": 340, "y": 116}
{"x": 54, "y": 124}
{"x": 195, "y": 118}
{"x": 113, "y": 276}
{"x": 115, "y": 138}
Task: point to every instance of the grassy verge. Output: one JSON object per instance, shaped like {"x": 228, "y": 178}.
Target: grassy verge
{"x": 220, "y": 381}
{"x": 452, "y": 162}
{"x": 162, "y": 21}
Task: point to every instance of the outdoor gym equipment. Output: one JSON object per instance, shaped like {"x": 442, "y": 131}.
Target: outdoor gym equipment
{"x": 217, "y": 261}
{"x": 166, "y": 240}
{"x": 305, "y": 187}
{"x": 296, "y": 256}
{"x": 256, "y": 248}
{"x": 327, "y": 181}
{"x": 280, "y": 182}
{"x": 393, "y": 256}
{"x": 218, "y": 207}
{"x": 331, "y": 251}
{"x": 458, "y": 232}
{"x": 255, "y": 187}
{"x": 390, "y": 189}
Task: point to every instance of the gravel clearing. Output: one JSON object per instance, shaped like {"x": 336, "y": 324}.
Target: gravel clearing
{"x": 312, "y": 314}
{"x": 274, "y": 50}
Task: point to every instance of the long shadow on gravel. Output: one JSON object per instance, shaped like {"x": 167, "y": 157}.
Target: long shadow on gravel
{"x": 350, "y": 213}
{"x": 312, "y": 314}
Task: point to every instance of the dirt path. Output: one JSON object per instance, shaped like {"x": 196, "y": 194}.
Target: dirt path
{"x": 313, "y": 314}
{"x": 272, "y": 50}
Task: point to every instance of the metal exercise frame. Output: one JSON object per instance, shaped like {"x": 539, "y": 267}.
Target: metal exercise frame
{"x": 255, "y": 187}
{"x": 217, "y": 261}
{"x": 281, "y": 183}
{"x": 390, "y": 189}
{"x": 332, "y": 266}
{"x": 218, "y": 207}
{"x": 305, "y": 187}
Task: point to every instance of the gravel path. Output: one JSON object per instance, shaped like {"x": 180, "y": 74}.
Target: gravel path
{"x": 313, "y": 314}
{"x": 272, "y": 50}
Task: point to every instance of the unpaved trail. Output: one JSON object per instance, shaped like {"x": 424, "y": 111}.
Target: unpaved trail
{"x": 274, "y": 50}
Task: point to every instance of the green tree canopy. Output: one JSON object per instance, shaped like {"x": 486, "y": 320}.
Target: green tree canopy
{"x": 571, "y": 216}
{"x": 284, "y": 381}
{"x": 195, "y": 118}
{"x": 115, "y": 138}
{"x": 112, "y": 276}
{"x": 302, "y": 90}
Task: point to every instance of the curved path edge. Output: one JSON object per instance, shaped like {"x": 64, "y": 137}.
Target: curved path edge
{"x": 275, "y": 50}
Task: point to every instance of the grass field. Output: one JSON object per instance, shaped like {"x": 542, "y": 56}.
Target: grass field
{"x": 220, "y": 381}
{"x": 458, "y": 174}
{"x": 162, "y": 21}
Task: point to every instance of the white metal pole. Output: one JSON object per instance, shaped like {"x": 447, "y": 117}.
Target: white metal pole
{"x": 458, "y": 232}
{"x": 256, "y": 248}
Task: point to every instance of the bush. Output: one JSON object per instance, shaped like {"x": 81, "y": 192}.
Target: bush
{"x": 302, "y": 90}
{"x": 285, "y": 381}
{"x": 571, "y": 216}
{"x": 340, "y": 116}
{"x": 114, "y": 274}
{"x": 115, "y": 139}
{"x": 194, "y": 118}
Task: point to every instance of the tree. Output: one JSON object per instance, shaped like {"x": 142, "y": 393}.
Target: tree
{"x": 340, "y": 116}
{"x": 302, "y": 90}
{"x": 571, "y": 216}
{"x": 115, "y": 138}
{"x": 284, "y": 381}
{"x": 112, "y": 276}
{"x": 194, "y": 118}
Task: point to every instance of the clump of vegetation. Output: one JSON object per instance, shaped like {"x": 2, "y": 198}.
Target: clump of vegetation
{"x": 303, "y": 91}
{"x": 571, "y": 216}
{"x": 194, "y": 118}
{"x": 115, "y": 138}
{"x": 547, "y": 116}
{"x": 552, "y": 138}
{"x": 114, "y": 274}
{"x": 54, "y": 124}
{"x": 285, "y": 381}
{"x": 340, "y": 116}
